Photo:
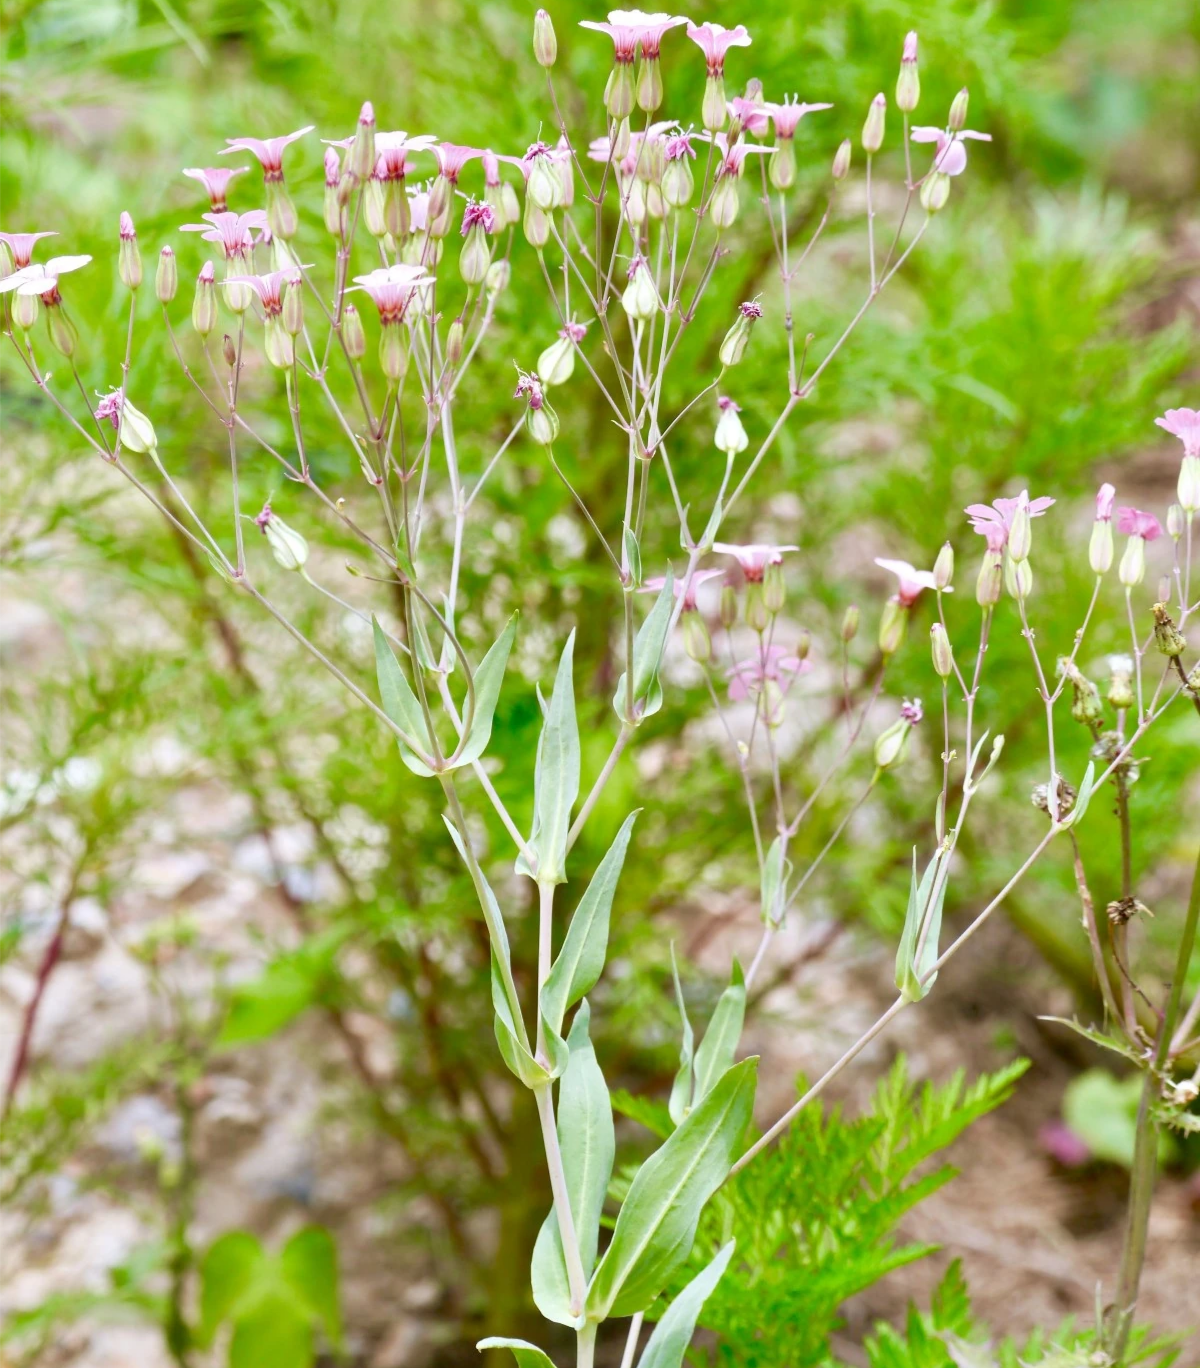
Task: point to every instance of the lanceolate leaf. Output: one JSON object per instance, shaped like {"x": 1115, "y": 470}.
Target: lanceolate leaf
{"x": 720, "y": 1042}
{"x": 775, "y": 874}
{"x": 488, "y": 678}
{"x": 673, "y": 1333}
{"x": 581, "y": 958}
{"x": 647, "y": 657}
{"x": 527, "y": 1355}
{"x": 681, "y": 1089}
{"x": 1083, "y": 798}
{"x": 556, "y": 776}
{"x": 924, "y": 911}
{"x": 657, "y": 1221}
{"x": 588, "y": 1142}
{"x": 399, "y": 701}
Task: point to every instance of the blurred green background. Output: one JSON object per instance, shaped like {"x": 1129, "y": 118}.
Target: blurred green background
{"x": 1050, "y": 315}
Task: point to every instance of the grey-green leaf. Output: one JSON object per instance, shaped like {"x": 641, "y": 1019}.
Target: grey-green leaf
{"x": 588, "y": 1142}
{"x": 488, "y": 678}
{"x": 658, "y": 1219}
{"x": 776, "y": 871}
{"x": 922, "y": 927}
{"x": 633, "y": 558}
{"x": 527, "y": 1355}
{"x": 556, "y": 777}
{"x": 581, "y": 958}
{"x": 673, "y": 1333}
{"x": 681, "y": 1089}
{"x": 720, "y": 1042}
{"x": 399, "y": 702}
{"x": 647, "y": 658}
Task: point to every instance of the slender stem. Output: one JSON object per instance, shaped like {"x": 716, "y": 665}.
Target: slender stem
{"x": 576, "y": 1280}
{"x": 631, "y": 1340}
{"x": 601, "y": 780}
{"x": 585, "y": 1342}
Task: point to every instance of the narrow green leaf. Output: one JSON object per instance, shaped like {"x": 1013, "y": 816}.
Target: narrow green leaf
{"x": 673, "y": 1333}
{"x": 399, "y": 702}
{"x": 647, "y": 658}
{"x": 681, "y": 1089}
{"x": 633, "y": 558}
{"x": 516, "y": 1056}
{"x": 1083, "y": 798}
{"x": 527, "y": 1355}
{"x": 581, "y": 958}
{"x": 657, "y": 1221}
{"x": 776, "y": 872}
{"x": 720, "y": 1042}
{"x": 309, "y": 1266}
{"x": 588, "y": 1142}
{"x": 924, "y": 910}
{"x": 556, "y": 776}
{"x": 488, "y": 678}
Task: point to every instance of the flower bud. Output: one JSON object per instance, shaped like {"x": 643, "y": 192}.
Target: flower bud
{"x": 287, "y": 545}
{"x": 1018, "y": 578}
{"x": 640, "y": 298}
{"x": 1189, "y": 484}
{"x": 536, "y": 224}
{"x": 556, "y": 364}
{"x": 498, "y": 276}
{"x": 395, "y": 208}
{"x": 841, "y": 160}
{"x": 727, "y": 610}
{"x": 649, "y": 85}
{"x": 542, "y": 423}
{"x": 873, "y": 128}
{"x": 943, "y": 567}
{"x": 730, "y": 436}
{"x": 957, "y": 120}
{"x": 1132, "y": 569}
{"x": 678, "y": 183}
{"x": 714, "y": 111}
{"x": 373, "y": 208}
{"x": 129, "y": 259}
{"x": 361, "y": 160}
{"x": 333, "y": 208}
{"x": 908, "y": 83}
{"x": 545, "y": 41}
{"x": 25, "y": 309}
{"x": 850, "y": 623}
{"x": 696, "y": 640}
{"x": 1167, "y": 637}
{"x": 943, "y": 653}
{"x": 935, "y": 192}
{"x": 166, "y": 278}
{"x": 781, "y": 169}
{"x": 293, "y": 307}
{"x": 1020, "y": 535}
{"x": 723, "y": 203}
{"x": 775, "y": 591}
{"x": 455, "y": 340}
{"x": 991, "y": 579}
{"x": 1120, "y": 681}
{"x": 1176, "y": 522}
{"x": 63, "y": 336}
{"x": 135, "y": 432}
{"x": 1086, "y": 707}
{"x": 228, "y": 351}
{"x": 891, "y": 746}
{"x": 733, "y": 347}
{"x": 893, "y": 627}
{"x": 353, "y": 335}
{"x": 1100, "y": 546}
{"x": 619, "y": 94}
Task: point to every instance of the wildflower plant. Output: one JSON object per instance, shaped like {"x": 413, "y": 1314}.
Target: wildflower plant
{"x": 624, "y": 227}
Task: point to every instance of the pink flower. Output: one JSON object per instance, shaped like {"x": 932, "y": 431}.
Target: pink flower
{"x": 679, "y": 146}
{"x": 333, "y": 168}
{"x": 910, "y": 47}
{"x": 912, "y": 581}
{"x": 628, "y": 28}
{"x": 573, "y": 332}
{"x": 529, "y": 387}
{"x": 752, "y": 117}
{"x": 1104, "y": 503}
{"x": 126, "y": 230}
{"x": 268, "y": 287}
{"x": 786, "y": 116}
{"x": 232, "y": 231}
{"x": 215, "y": 180}
{"x": 1183, "y": 423}
{"x": 754, "y": 557}
{"x": 482, "y": 214}
{"x": 951, "y": 156}
{"x": 1134, "y": 523}
{"x": 995, "y": 521}
{"x": 599, "y": 149}
{"x": 655, "y": 583}
{"x": 42, "y": 278}
{"x": 776, "y": 664}
{"x": 109, "y": 408}
{"x": 391, "y": 287}
{"x": 451, "y": 158}
{"x": 733, "y": 159}
{"x": 912, "y": 711}
{"x": 264, "y": 517}
{"x": 714, "y": 40}
{"x": 269, "y": 151}
{"x": 750, "y": 309}
{"x": 21, "y": 245}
